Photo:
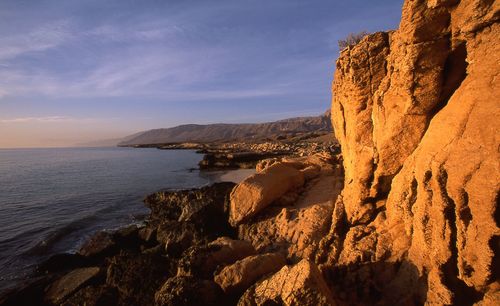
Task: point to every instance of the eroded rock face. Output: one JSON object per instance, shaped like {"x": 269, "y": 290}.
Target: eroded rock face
{"x": 301, "y": 284}
{"x": 416, "y": 113}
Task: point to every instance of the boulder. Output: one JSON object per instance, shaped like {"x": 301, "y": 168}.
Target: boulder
{"x": 237, "y": 277}
{"x": 69, "y": 283}
{"x": 261, "y": 189}
{"x": 298, "y": 228}
{"x": 301, "y": 284}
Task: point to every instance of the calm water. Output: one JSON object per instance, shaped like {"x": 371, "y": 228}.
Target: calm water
{"x": 51, "y": 200}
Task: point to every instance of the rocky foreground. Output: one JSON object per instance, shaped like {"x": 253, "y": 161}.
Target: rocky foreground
{"x": 191, "y": 250}
{"x": 406, "y": 215}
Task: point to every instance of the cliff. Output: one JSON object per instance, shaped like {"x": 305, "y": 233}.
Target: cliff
{"x": 416, "y": 113}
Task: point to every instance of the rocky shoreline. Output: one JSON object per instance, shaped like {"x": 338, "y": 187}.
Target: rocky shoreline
{"x": 243, "y": 154}
{"x": 190, "y": 251}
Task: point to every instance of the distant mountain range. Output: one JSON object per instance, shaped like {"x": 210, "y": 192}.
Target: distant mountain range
{"x": 230, "y": 132}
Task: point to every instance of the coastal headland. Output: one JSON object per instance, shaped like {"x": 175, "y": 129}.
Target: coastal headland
{"x": 405, "y": 214}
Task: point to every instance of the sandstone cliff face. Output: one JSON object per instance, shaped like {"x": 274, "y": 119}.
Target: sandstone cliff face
{"x": 416, "y": 113}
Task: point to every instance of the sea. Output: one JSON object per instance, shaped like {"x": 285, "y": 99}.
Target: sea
{"x": 52, "y": 200}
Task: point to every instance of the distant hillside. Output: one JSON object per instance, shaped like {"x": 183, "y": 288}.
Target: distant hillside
{"x": 229, "y": 132}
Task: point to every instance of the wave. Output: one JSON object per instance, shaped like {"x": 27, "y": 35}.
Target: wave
{"x": 82, "y": 226}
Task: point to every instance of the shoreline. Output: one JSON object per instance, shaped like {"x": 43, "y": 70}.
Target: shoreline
{"x": 213, "y": 176}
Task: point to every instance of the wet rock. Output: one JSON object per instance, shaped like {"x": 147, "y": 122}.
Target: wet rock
{"x": 189, "y": 291}
{"x": 202, "y": 261}
{"x": 69, "y": 283}
{"x": 99, "y": 244}
{"x": 237, "y": 277}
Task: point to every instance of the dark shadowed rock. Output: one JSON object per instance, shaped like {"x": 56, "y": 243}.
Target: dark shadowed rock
{"x": 189, "y": 217}
{"x": 138, "y": 276}
{"x": 189, "y": 291}
{"x": 202, "y": 261}
{"x": 28, "y": 293}
{"x": 62, "y": 262}
{"x": 93, "y": 296}
{"x": 69, "y": 283}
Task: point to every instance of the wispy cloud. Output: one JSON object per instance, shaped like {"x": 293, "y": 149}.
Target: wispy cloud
{"x": 45, "y": 37}
{"x": 47, "y": 119}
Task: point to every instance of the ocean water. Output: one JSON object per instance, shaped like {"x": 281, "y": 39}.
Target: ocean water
{"x": 51, "y": 200}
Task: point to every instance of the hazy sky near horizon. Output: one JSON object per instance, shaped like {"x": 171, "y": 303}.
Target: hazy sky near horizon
{"x": 75, "y": 71}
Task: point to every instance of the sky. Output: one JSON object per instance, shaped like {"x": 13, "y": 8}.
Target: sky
{"x": 77, "y": 71}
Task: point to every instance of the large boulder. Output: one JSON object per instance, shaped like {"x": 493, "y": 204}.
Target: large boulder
{"x": 300, "y": 225}
{"x": 261, "y": 189}
{"x": 243, "y": 273}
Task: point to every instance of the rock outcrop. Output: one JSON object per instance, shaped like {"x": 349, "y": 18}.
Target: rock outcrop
{"x": 416, "y": 113}
{"x": 301, "y": 284}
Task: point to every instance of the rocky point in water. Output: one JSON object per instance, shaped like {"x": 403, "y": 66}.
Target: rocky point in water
{"x": 407, "y": 214}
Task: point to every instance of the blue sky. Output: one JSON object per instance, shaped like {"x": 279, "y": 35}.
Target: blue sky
{"x": 73, "y": 71}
